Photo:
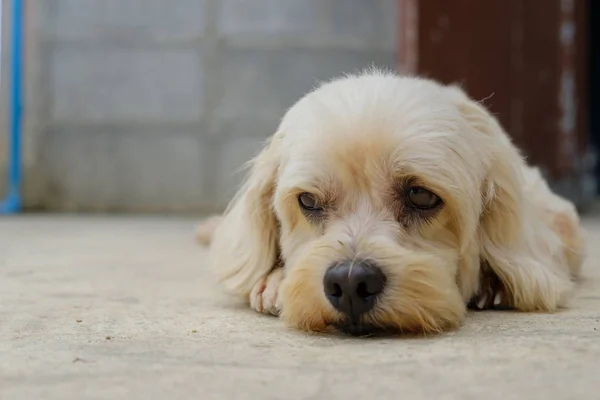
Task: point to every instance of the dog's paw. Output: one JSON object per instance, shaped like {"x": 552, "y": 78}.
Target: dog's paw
{"x": 205, "y": 230}
{"x": 493, "y": 294}
{"x": 264, "y": 295}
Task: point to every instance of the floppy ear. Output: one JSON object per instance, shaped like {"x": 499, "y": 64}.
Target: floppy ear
{"x": 244, "y": 247}
{"x": 514, "y": 239}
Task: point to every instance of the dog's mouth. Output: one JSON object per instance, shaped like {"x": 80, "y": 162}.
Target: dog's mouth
{"x": 361, "y": 329}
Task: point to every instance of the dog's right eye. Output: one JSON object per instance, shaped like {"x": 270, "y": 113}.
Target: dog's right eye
{"x": 309, "y": 202}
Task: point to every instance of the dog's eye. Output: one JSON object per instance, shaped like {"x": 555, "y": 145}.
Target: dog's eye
{"x": 309, "y": 202}
{"x": 421, "y": 198}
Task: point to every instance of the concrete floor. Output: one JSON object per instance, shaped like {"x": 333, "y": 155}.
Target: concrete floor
{"x": 124, "y": 308}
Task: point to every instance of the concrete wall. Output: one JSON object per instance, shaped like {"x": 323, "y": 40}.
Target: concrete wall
{"x": 152, "y": 105}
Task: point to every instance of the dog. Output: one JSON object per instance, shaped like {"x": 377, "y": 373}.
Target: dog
{"x": 393, "y": 203}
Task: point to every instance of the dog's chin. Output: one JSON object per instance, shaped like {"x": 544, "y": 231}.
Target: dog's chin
{"x": 362, "y": 329}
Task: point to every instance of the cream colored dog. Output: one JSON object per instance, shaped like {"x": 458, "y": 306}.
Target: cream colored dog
{"x": 392, "y": 203}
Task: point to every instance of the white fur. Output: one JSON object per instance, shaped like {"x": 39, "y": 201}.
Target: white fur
{"x": 349, "y": 141}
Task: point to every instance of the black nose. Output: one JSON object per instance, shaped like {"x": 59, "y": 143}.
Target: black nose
{"x": 352, "y": 287}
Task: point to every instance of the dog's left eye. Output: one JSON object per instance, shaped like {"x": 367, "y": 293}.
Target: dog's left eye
{"x": 421, "y": 198}
{"x": 309, "y": 202}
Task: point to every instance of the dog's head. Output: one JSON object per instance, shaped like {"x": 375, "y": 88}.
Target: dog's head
{"x": 376, "y": 195}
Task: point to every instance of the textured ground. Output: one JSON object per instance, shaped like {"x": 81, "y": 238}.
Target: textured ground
{"x": 124, "y": 308}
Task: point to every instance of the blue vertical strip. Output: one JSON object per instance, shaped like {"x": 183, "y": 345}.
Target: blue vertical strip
{"x": 12, "y": 203}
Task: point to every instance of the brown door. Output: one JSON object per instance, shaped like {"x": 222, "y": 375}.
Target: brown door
{"x": 526, "y": 59}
